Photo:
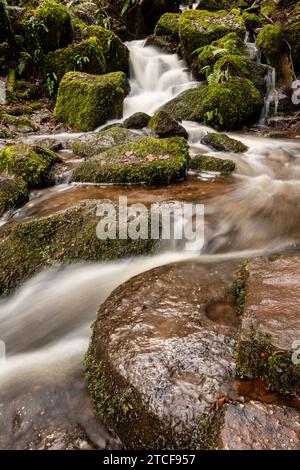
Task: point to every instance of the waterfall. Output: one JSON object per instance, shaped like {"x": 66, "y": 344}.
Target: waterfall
{"x": 272, "y": 95}
{"x": 156, "y": 78}
{"x": 253, "y": 50}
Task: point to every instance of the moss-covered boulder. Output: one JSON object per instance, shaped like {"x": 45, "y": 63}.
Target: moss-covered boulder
{"x": 252, "y": 21}
{"x": 149, "y": 161}
{"x": 224, "y": 106}
{"x": 198, "y": 28}
{"x": 240, "y": 66}
{"x": 163, "y": 125}
{"x": 223, "y": 143}
{"x": 137, "y": 121}
{"x": 181, "y": 107}
{"x": 87, "y": 101}
{"x": 168, "y": 25}
{"x": 204, "y": 164}
{"x": 214, "y": 5}
{"x": 270, "y": 42}
{"x": 32, "y": 163}
{"x": 87, "y": 56}
{"x": 57, "y": 30}
{"x": 13, "y": 192}
{"x": 65, "y": 237}
{"x": 210, "y": 54}
{"x": 93, "y": 143}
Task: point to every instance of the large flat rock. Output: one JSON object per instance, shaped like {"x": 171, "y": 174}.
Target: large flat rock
{"x": 162, "y": 354}
{"x": 270, "y": 332}
{"x": 258, "y": 426}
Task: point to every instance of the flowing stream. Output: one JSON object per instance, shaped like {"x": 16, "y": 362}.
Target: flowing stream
{"x": 45, "y": 324}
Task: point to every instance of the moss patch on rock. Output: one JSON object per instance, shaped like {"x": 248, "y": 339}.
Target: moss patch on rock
{"x": 168, "y": 25}
{"x": 137, "y": 121}
{"x": 13, "y": 192}
{"x": 103, "y": 99}
{"x": 32, "y": 163}
{"x": 57, "y": 30}
{"x": 101, "y": 51}
{"x": 210, "y": 54}
{"x": 163, "y": 125}
{"x": 94, "y": 143}
{"x": 204, "y": 164}
{"x": 65, "y": 237}
{"x": 150, "y": 161}
{"x": 270, "y": 42}
{"x": 198, "y": 28}
{"x": 223, "y": 143}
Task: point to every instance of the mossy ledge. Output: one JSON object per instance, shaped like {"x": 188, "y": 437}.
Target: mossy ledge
{"x": 65, "y": 237}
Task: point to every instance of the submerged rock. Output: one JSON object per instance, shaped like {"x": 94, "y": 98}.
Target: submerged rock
{"x": 32, "y": 163}
{"x": 160, "y": 359}
{"x": 203, "y": 163}
{"x": 103, "y": 99}
{"x": 137, "y": 121}
{"x": 163, "y": 125}
{"x": 93, "y": 143}
{"x": 223, "y": 143}
{"x": 149, "y": 161}
{"x": 13, "y": 192}
{"x": 67, "y": 236}
{"x": 270, "y": 332}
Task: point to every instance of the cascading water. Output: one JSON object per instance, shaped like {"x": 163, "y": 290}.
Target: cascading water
{"x": 272, "y": 95}
{"x": 45, "y": 324}
{"x": 155, "y": 78}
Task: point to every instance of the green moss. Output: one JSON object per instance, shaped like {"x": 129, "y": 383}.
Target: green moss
{"x": 239, "y": 289}
{"x": 258, "y": 358}
{"x": 13, "y": 192}
{"x": 168, "y": 25}
{"x": 18, "y": 122}
{"x": 103, "y": 99}
{"x": 201, "y": 28}
{"x": 137, "y": 121}
{"x": 223, "y": 143}
{"x": 94, "y": 143}
{"x": 203, "y": 164}
{"x": 270, "y": 42}
{"x": 229, "y": 105}
{"x": 252, "y": 21}
{"x": 65, "y": 237}
{"x": 181, "y": 107}
{"x": 90, "y": 55}
{"x": 209, "y": 55}
{"x": 149, "y": 161}
{"x": 163, "y": 125}
{"x": 33, "y": 164}
{"x": 239, "y": 66}
{"x": 57, "y": 30}
{"x": 214, "y": 5}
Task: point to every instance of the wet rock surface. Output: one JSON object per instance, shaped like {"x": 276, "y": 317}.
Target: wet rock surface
{"x": 163, "y": 353}
{"x": 257, "y": 426}
{"x": 271, "y": 324}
